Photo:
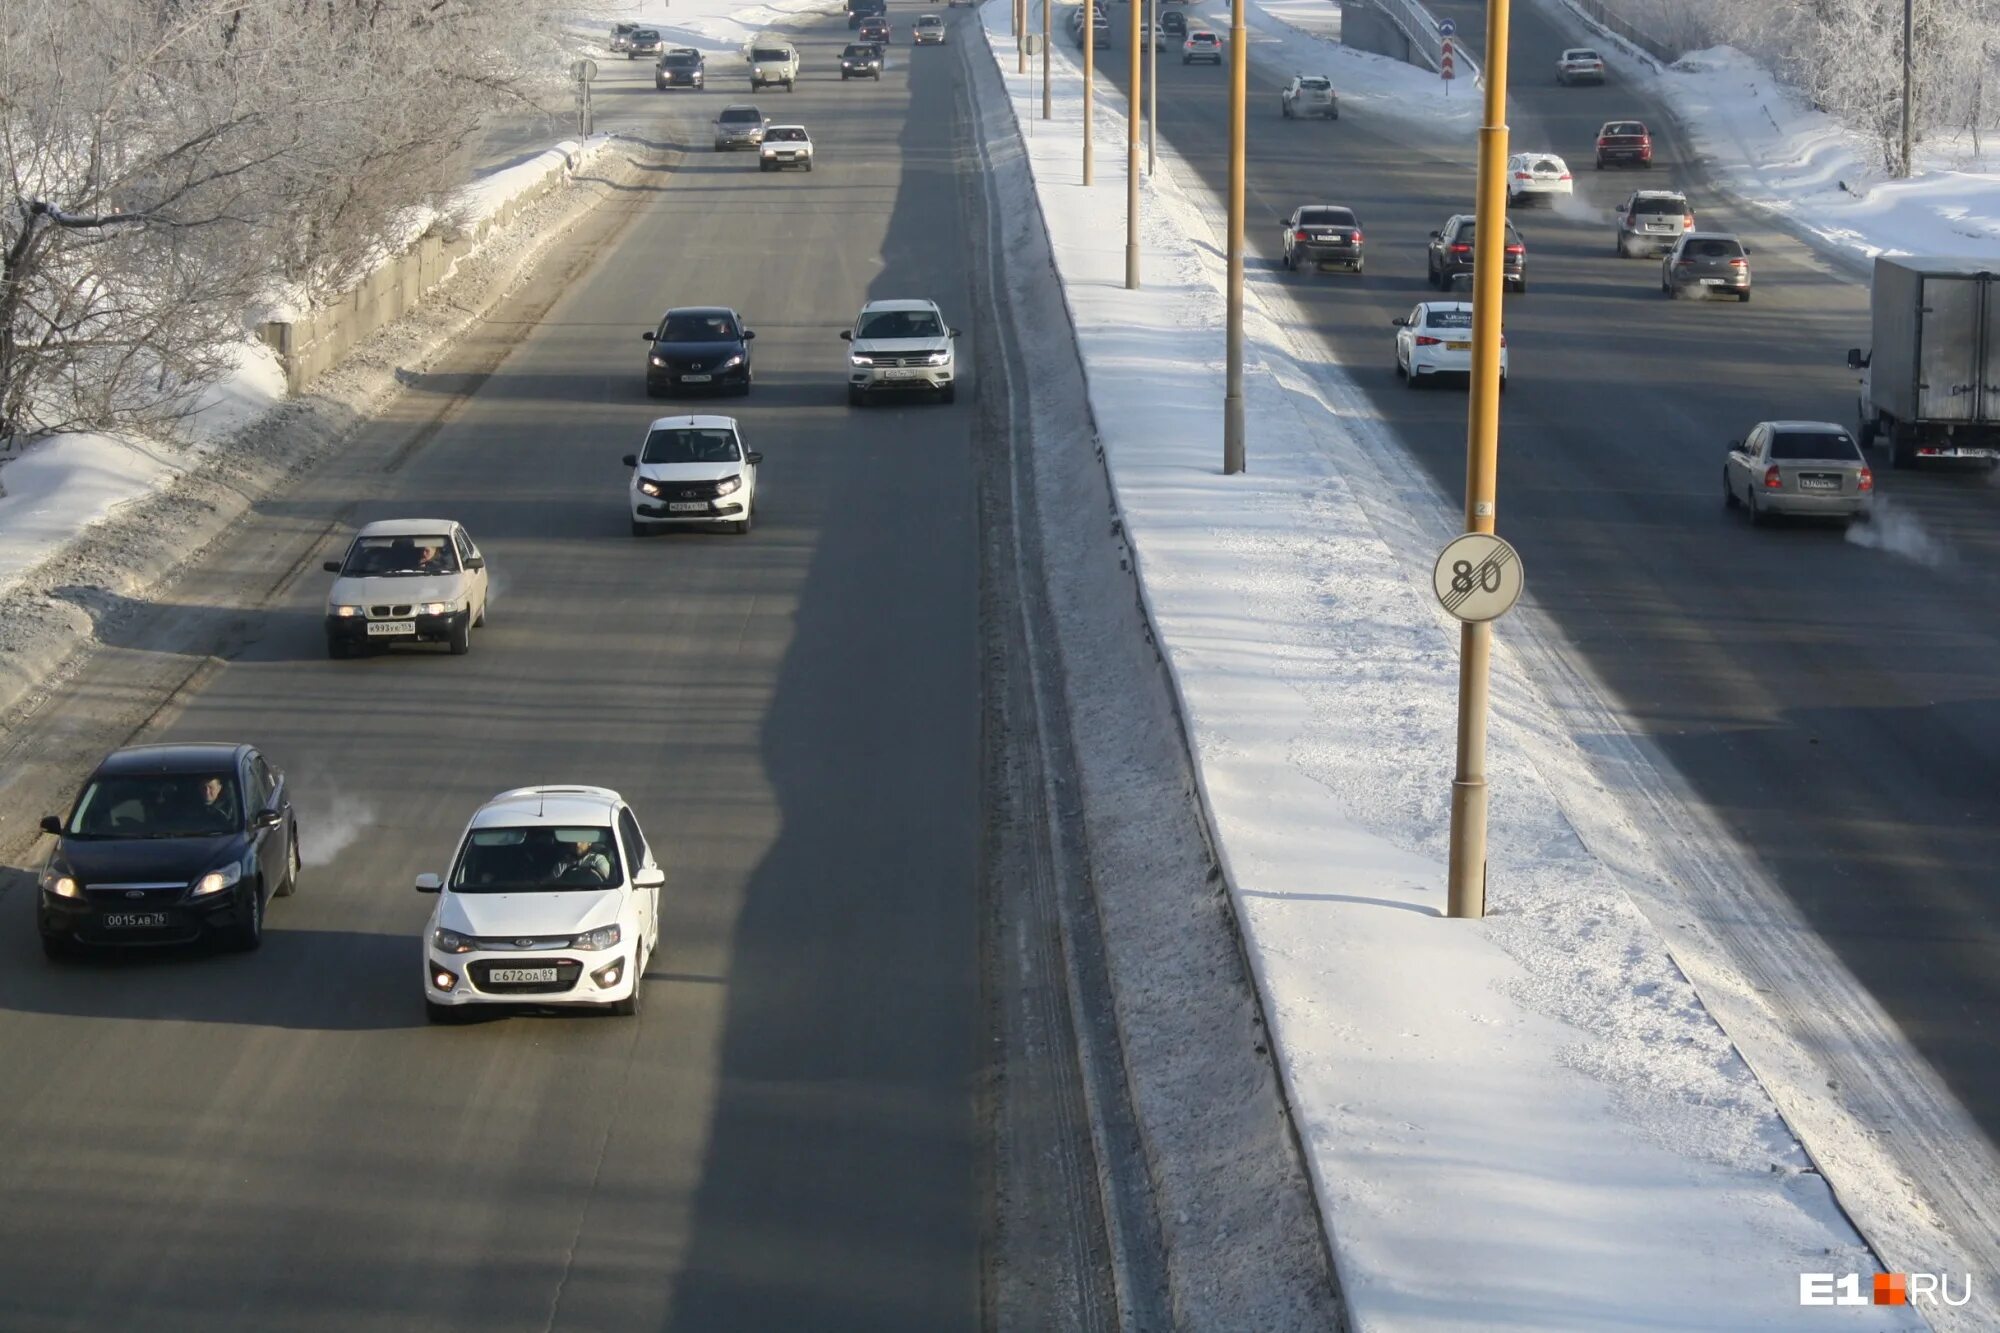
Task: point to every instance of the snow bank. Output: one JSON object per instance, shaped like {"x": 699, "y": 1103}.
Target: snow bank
{"x": 1525, "y": 1122}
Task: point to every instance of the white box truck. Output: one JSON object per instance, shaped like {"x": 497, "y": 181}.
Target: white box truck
{"x": 1930, "y": 383}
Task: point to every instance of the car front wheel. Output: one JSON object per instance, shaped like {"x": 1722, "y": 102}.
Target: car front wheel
{"x": 461, "y": 639}
{"x": 250, "y": 934}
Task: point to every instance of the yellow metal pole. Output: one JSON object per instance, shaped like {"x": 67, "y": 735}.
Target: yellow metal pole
{"x": 1132, "y": 155}
{"x": 1466, "y": 866}
{"x": 1089, "y": 86}
{"x": 1048, "y": 99}
{"x": 1232, "y": 399}
{"x": 1021, "y": 35}
{"x": 1152, "y": 82}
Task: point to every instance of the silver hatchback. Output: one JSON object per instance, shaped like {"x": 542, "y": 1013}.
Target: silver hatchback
{"x": 739, "y": 126}
{"x": 1707, "y": 263}
{"x": 1812, "y": 469}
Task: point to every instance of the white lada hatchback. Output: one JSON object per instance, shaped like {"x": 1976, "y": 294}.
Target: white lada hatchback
{"x": 553, "y": 899}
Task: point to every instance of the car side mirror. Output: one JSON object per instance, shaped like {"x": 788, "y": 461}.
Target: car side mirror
{"x": 1437, "y": 236}
{"x": 331, "y": 566}
{"x": 954, "y": 333}
{"x": 648, "y": 877}
{"x": 753, "y": 458}
{"x": 1284, "y": 222}
{"x": 266, "y": 819}
{"x": 646, "y": 337}
{"x": 631, "y": 460}
{"x": 748, "y": 334}
{"x": 1400, "y": 322}
{"x": 476, "y": 562}
{"x": 1855, "y": 361}
{"x": 847, "y": 335}
{"x": 429, "y": 884}
{"x": 52, "y": 824}
{"x": 1736, "y": 444}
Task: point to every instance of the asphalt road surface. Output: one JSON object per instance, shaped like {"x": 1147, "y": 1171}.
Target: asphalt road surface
{"x": 787, "y": 1137}
{"x": 1836, "y": 705}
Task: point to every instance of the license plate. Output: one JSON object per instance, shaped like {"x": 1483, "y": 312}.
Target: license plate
{"x": 1819, "y": 483}
{"x": 696, "y": 379}
{"x": 1712, "y": 282}
{"x": 899, "y": 374}
{"x": 381, "y": 627}
{"x": 503, "y": 975}
{"x": 687, "y": 507}
{"x": 1458, "y": 347}
{"x": 135, "y": 920}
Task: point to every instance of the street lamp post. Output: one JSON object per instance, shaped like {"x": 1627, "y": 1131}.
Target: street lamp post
{"x": 1048, "y": 99}
{"x": 1132, "y": 156}
{"x": 1909, "y": 67}
{"x": 1466, "y": 863}
{"x": 1089, "y": 86}
{"x": 1232, "y": 398}
{"x": 1152, "y": 81}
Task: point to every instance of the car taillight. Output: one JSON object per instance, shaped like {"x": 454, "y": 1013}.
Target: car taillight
{"x": 1739, "y": 263}
{"x": 1356, "y": 238}
{"x": 1601, "y": 141}
{"x": 1461, "y": 249}
{"x": 1687, "y": 223}
{"x": 1632, "y": 220}
{"x": 1565, "y": 176}
{"x": 1521, "y": 176}
{"x": 1425, "y": 340}
{"x": 1866, "y": 481}
{"x": 1517, "y": 249}
{"x": 1773, "y": 479}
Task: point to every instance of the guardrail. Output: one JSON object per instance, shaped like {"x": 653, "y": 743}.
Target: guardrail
{"x": 1420, "y": 28}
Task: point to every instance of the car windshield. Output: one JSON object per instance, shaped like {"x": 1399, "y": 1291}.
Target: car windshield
{"x": 1326, "y": 217}
{"x": 785, "y": 135}
{"x": 687, "y": 327}
{"x": 645, "y": 35}
{"x": 900, "y": 324}
{"x": 537, "y": 859}
{"x": 930, "y": 21}
{"x": 1449, "y": 319}
{"x": 1713, "y": 249}
{"x": 769, "y": 53}
{"x": 1814, "y": 444}
{"x": 692, "y": 444}
{"x": 400, "y": 557}
{"x": 158, "y": 805}
{"x": 858, "y": 52}
{"x": 678, "y": 58}
{"x": 1315, "y": 85}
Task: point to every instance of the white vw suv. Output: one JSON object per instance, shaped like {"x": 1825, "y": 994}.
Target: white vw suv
{"x": 553, "y": 899}
{"x": 900, "y": 346}
{"x": 693, "y": 470}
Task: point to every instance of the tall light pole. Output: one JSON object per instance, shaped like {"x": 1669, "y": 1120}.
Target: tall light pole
{"x": 1232, "y": 397}
{"x": 1132, "y": 156}
{"x": 1089, "y": 85}
{"x": 1909, "y": 65}
{"x": 1021, "y": 35}
{"x": 1048, "y": 99}
{"x": 1152, "y": 82}
{"x": 1466, "y": 864}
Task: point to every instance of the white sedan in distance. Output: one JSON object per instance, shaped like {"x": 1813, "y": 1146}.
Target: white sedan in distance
{"x": 785, "y": 146}
{"x": 1579, "y": 64}
{"x": 1436, "y": 339}
{"x": 1541, "y": 176}
{"x": 553, "y": 899}
{"x": 693, "y": 472}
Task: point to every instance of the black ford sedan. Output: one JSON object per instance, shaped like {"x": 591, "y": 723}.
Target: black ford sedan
{"x": 698, "y": 348}
{"x": 169, "y": 844}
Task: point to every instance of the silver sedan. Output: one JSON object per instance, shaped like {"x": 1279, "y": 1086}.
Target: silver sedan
{"x": 1812, "y": 469}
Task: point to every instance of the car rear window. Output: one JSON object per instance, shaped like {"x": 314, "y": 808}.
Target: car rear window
{"x": 1448, "y": 319}
{"x": 1546, "y": 164}
{"x": 1659, "y": 203}
{"x": 1624, "y": 127}
{"x": 1713, "y": 249}
{"x": 1814, "y": 444}
{"x": 1315, "y": 85}
{"x": 1582, "y": 55}
{"x": 1327, "y": 217}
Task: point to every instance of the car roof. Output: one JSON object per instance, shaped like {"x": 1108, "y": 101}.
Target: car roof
{"x": 1814, "y": 426}
{"x": 700, "y": 309}
{"x": 406, "y": 527}
{"x": 1579, "y": 50}
{"x": 550, "y": 805}
{"x": 1711, "y": 236}
{"x": 1446, "y": 305}
{"x": 775, "y": 128}
{"x": 180, "y": 757}
{"x": 901, "y": 303}
{"x": 739, "y": 106}
{"x": 693, "y": 422}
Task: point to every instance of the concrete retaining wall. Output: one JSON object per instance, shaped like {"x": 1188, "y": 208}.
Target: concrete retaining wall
{"x": 309, "y": 347}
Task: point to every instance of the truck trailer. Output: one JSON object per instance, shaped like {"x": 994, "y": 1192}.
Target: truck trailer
{"x": 1930, "y": 383}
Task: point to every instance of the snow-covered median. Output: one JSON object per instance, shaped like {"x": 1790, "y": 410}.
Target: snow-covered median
{"x": 1526, "y": 1122}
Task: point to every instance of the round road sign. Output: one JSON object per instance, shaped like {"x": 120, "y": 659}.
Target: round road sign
{"x": 1478, "y": 577}
{"x": 583, "y": 71}
{"x": 1446, "y": 28}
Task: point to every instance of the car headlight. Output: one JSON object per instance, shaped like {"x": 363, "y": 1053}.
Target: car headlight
{"x": 939, "y": 358}
{"x": 732, "y": 362}
{"x": 346, "y": 612}
{"x": 860, "y": 360}
{"x": 215, "y": 881}
{"x": 648, "y": 487}
{"x": 729, "y": 485}
{"x": 437, "y": 608}
{"x": 604, "y": 937}
{"x": 658, "y": 360}
{"x": 60, "y": 884}
{"x": 450, "y": 941}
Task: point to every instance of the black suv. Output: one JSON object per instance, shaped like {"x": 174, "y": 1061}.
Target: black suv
{"x": 698, "y": 347}
{"x": 169, "y": 844}
{"x": 1173, "y": 23}
{"x": 861, "y": 60}
{"x": 1451, "y": 253}
{"x": 683, "y": 67}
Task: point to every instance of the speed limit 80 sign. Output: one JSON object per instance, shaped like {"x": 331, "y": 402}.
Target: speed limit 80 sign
{"x": 1478, "y": 577}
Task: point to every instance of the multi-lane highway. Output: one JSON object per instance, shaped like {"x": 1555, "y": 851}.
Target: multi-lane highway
{"x": 1833, "y": 704}
{"x": 787, "y": 1138}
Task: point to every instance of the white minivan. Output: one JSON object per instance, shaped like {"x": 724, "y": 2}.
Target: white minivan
{"x": 552, "y": 899}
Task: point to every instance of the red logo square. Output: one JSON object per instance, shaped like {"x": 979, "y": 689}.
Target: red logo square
{"x": 1892, "y": 1289}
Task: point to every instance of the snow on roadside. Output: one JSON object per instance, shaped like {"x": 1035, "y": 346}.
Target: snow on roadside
{"x": 54, "y": 489}
{"x": 1526, "y": 1122}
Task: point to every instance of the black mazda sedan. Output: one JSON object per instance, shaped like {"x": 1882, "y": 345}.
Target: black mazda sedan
{"x": 698, "y": 348}
{"x": 169, "y": 844}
